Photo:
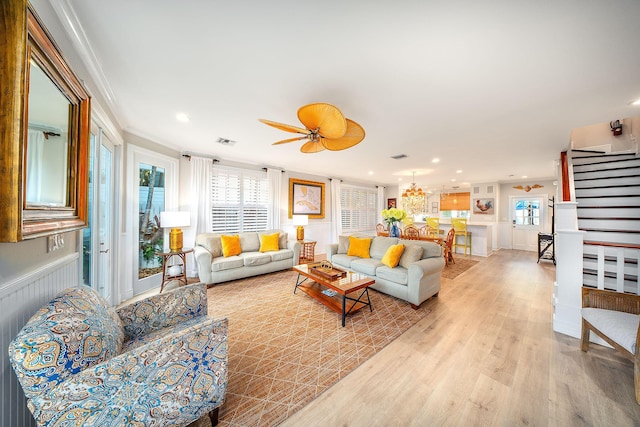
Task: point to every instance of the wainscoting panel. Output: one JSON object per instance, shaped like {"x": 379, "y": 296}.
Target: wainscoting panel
{"x": 19, "y": 300}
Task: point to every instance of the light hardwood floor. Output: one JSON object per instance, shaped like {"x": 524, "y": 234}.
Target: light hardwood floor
{"x": 486, "y": 355}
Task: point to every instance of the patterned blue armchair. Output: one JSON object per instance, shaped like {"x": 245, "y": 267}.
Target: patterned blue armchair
{"x": 156, "y": 362}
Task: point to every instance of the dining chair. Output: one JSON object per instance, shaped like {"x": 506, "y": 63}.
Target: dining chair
{"x": 460, "y": 227}
{"x": 448, "y": 247}
{"x": 411, "y": 233}
{"x": 380, "y": 229}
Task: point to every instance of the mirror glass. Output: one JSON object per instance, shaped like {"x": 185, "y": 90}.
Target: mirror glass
{"x": 47, "y": 157}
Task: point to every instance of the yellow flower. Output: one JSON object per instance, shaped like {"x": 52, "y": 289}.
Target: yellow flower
{"x": 393, "y": 215}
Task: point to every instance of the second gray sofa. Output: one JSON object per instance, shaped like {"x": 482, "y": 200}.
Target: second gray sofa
{"x": 415, "y": 279}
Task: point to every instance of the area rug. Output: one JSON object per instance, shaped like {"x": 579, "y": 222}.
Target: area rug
{"x": 461, "y": 265}
{"x": 285, "y": 348}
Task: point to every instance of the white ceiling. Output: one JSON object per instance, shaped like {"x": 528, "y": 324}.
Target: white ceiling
{"x": 491, "y": 88}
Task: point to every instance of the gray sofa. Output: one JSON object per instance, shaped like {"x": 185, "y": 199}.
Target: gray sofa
{"x": 415, "y": 279}
{"x": 213, "y": 267}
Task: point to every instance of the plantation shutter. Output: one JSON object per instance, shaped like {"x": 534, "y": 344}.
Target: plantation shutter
{"x": 359, "y": 208}
{"x": 239, "y": 200}
{"x": 256, "y": 203}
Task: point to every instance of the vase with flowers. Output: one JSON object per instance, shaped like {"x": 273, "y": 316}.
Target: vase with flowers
{"x": 392, "y": 217}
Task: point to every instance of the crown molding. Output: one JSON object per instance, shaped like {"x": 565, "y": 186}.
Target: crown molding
{"x": 71, "y": 23}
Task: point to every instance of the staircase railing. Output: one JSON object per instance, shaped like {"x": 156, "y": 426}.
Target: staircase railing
{"x": 617, "y": 266}
{"x": 567, "y": 177}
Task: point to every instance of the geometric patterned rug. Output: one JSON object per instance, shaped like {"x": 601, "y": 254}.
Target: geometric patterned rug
{"x": 461, "y": 265}
{"x": 286, "y": 349}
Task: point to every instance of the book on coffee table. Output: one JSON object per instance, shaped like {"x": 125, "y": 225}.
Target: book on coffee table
{"x": 330, "y": 292}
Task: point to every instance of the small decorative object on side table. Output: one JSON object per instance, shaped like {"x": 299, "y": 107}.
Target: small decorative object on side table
{"x": 167, "y": 274}
{"x": 307, "y": 251}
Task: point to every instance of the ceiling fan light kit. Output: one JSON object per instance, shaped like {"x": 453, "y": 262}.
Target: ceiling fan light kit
{"x": 325, "y": 128}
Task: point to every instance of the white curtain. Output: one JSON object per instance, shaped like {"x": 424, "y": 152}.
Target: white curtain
{"x": 381, "y": 204}
{"x": 35, "y": 154}
{"x": 275, "y": 182}
{"x": 336, "y": 214}
{"x": 201, "y": 194}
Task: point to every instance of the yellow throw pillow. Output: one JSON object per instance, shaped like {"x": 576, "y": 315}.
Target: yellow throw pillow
{"x": 231, "y": 245}
{"x": 359, "y": 247}
{"x": 269, "y": 242}
{"x": 392, "y": 256}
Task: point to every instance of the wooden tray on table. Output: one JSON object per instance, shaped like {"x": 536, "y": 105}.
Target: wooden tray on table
{"x": 331, "y": 274}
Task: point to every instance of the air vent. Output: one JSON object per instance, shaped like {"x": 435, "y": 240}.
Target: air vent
{"x": 399, "y": 156}
{"x": 225, "y": 141}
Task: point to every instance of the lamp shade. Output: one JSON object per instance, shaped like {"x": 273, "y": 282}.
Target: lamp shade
{"x": 300, "y": 219}
{"x": 175, "y": 219}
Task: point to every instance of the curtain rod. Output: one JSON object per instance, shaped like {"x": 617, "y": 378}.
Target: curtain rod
{"x": 214, "y": 160}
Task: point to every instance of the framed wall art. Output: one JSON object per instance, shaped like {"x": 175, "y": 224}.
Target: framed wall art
{"x": 391, "y": 203}
{"x": 483, "y": 206}
{"x": 306, "y": 198}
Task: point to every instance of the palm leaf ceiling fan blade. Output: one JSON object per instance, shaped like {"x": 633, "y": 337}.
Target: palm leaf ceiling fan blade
{"x": 312, "y": 147}
{"x": 354, "y": 134}
{"x": 326, "y": 128}
{"x": 284, "y": 141}
{"x": 325, "y": 118}
{"x": 285, "y": 127}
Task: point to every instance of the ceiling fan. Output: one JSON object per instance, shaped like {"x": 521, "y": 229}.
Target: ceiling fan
{"x": 325, "y": 128}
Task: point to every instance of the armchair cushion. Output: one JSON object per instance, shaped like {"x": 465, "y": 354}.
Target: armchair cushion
{"x": 74, "y": 331}
{"x": 619, "y": 326}
{"x": 162, "y": 311}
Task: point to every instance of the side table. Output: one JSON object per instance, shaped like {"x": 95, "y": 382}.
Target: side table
{"x": 307, "y": 251}
{"x": 166, "y": 257}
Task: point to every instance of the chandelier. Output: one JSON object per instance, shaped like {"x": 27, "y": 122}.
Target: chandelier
{"x": 413, "y": 199}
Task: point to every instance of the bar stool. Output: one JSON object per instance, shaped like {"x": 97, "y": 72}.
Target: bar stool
{"x": 460, "y": 228}
{"x": 433, "y": 227}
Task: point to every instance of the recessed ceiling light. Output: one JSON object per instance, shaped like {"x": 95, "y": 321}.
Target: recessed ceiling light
{"x": 636, "y": 102}
{"x": 459, "y": 171}
{"x": 399, "y": 179}
{"x": 182, "y": 117}
{"x": 524, "y": 176}
{"x": 453, "y": 180}
{"x": 370, "y": 172}
{"x": 435, "y": 160}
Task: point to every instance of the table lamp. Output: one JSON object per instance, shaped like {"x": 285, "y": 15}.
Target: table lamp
{"x": 175, "y": 220}
{"x": 300, "y": 221}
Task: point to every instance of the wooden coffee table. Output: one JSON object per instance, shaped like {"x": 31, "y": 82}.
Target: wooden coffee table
{"x": 334, "y": 293}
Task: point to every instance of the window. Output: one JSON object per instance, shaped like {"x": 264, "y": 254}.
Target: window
{"x": 527, "y": 212}
{"x": 359, "y": 208}
{"x": 454, "y": 214}
{"x": 239, "y": 200}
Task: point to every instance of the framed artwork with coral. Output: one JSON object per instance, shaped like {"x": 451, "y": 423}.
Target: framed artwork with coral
{"x": 306, "y": 198}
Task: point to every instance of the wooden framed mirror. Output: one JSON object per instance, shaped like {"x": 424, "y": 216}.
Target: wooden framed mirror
{"x": 44, "y": 129}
